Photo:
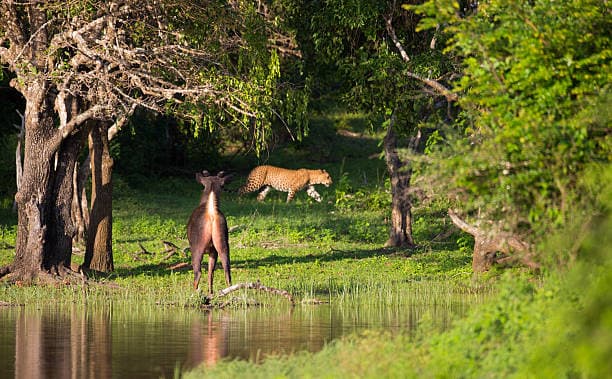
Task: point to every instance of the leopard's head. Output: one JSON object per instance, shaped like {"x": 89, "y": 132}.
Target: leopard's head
{"x": 320, "y": 177}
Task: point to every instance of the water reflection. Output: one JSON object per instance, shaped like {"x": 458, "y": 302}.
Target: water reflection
{"x": 144, "y": 342}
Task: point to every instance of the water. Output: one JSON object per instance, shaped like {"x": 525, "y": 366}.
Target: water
{"x": 145, "y": 342}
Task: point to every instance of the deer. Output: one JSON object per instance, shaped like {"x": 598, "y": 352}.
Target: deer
{"x": 207, "y": 230}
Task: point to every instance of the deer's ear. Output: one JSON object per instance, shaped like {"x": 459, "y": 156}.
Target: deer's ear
{"x": 199, "y": 176}
{"x": 226, "y": 178}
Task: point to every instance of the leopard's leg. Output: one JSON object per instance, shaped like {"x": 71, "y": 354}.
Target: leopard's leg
{"x": 264, "y": 192}
{"x": 313, "y": 193}
{"x": 290, "y": 195}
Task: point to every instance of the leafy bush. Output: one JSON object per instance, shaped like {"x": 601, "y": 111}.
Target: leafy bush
{"x": 535, "y": 102}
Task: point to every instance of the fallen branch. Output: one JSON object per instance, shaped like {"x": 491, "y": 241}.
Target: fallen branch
{"x": 487, "y": 245}
{"x": 257, "y": 286}
{"x": 6, "y": 304}
{"x": 179, "y": 266}
{"x": 234, "y": 228}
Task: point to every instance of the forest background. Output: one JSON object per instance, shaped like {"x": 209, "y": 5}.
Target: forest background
{"x": 496, "y": 111}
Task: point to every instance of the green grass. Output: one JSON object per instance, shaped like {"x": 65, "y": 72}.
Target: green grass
{"x": 312, "y": 250}
{"x": 330, "y": 250}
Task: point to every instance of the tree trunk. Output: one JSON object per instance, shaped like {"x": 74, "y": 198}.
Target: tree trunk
{"x": 18, "y": 149}
{"x": 61, "y": 227}
{"x": 80, "y": 205}
{"x": 99, "y": 255}
{"x": 35, "y": 248}
{"x": 400, "y": 232}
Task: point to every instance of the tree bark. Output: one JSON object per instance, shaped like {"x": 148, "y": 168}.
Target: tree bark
{"x": 80, "y": 205}
{"x": 99, "y": 255}
{"x": 44, "y": 234}
{"x": 61, "y": 227}
{"x": 18, "y": 160}
{"x": 400, "y": 231}
{"x": 33, "y": 197}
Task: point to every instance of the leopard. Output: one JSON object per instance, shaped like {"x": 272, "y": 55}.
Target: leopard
{"x": 285, "y": 180}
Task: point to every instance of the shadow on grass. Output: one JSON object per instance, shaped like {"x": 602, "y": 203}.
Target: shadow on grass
{"x": 425, "y": 256}
{"x": 329, "y": 256}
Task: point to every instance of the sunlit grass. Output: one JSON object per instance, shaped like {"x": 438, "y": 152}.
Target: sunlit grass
{"x": 329, "y": 251}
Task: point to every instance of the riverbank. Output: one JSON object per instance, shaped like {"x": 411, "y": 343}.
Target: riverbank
{"x": 553, "y": 326}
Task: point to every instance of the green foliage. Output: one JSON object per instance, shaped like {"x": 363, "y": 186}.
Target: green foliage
{"x": 348, "y": 50}
{"x": 535, "y": 95}
{"x": 271, "y": 102}
{"x": 155, "y": 146}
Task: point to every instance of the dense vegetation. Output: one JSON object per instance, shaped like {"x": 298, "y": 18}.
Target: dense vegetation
{"x": 514, "y": 133}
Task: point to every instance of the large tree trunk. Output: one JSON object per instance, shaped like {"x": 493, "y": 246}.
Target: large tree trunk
{"x": 80, "y": 205}
{"x": 99, "y": 254}
{"x": 400, "y": 231}
{"x": 38, "y": 247}
{"x": 61, "y": 227}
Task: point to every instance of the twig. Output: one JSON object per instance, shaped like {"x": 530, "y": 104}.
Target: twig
{"x": 257, "y": 286}
{"x": 143, "y": 250}
{"x": 179, "y": 266}
{"x": 171, "y": 249}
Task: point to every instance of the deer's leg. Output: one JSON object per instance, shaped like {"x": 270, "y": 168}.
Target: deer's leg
{"x": 221, "y": 243}
{"x": 212, "y": 263}
{"x": 264, "y": 192}
{"x": 225, "y": 262}
{"x": 313, "y": 193}
{"x": 196, "y": 263}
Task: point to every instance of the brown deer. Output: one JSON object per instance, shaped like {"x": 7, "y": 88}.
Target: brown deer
{"x": 207, "y": 230}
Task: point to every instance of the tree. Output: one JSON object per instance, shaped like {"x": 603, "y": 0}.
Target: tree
{"x": 360, "y": 50}
{"x": 98, "y": 253}
{"x": 534, "y": 93}
{"x": 92, "y": 61}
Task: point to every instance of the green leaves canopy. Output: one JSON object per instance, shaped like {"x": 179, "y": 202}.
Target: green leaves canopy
{"x": 535, "y": 99}
{"x": 212, "y": 61}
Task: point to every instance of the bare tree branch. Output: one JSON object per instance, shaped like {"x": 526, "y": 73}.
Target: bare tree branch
{"x": 439, "y": 88}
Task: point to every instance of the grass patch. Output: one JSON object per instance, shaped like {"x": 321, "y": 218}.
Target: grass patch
{"x": 328, "y": 250}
